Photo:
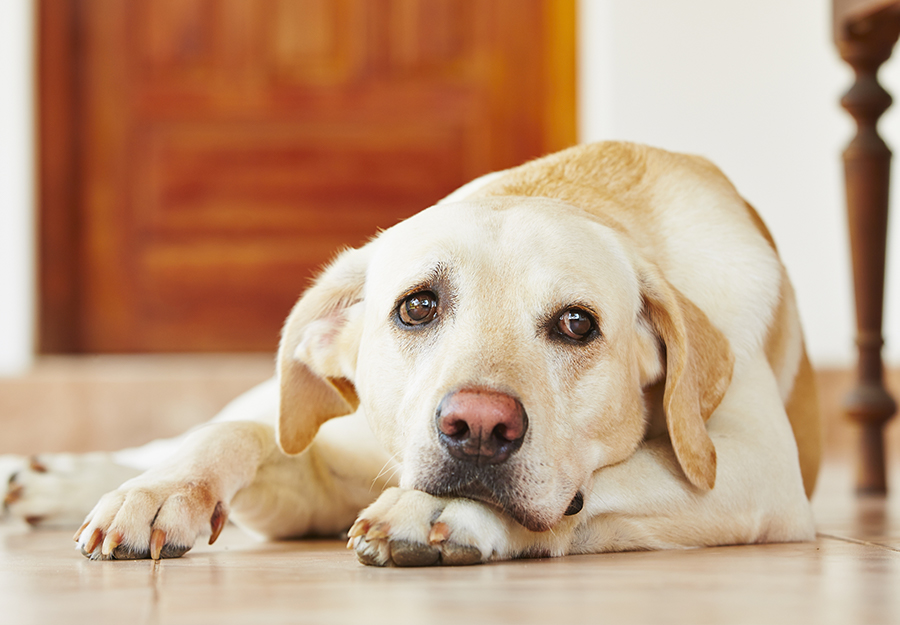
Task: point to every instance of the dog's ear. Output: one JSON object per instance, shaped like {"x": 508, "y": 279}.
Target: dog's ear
{"x": 699, "y": 364}
{"x": 318, "y": 352}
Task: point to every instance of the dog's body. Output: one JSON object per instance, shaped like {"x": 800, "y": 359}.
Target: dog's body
{"x": 596, "y": 351}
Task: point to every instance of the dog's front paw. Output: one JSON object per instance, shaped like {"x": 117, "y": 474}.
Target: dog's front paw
{"x": 413, "y": 528}
{"x": 57, "y": 490}
{"x": 151, "y": 518}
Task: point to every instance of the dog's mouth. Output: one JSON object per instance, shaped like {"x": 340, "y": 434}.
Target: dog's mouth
{"x": 497, "y": 487}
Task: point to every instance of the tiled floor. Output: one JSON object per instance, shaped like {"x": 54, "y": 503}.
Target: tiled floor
{"x": 849, "y": 575}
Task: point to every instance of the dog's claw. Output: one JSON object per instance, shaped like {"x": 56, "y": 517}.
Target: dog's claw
{"x": 379, "y": 531}
{"x": 217, "y": 522}
{"x": 95, "y": 539}
{"x": 439, "y": 533}
{"x": 12, "y": 495}
{"x": 36, "y": 465}
{"x": 113, "y": 540}
{"x": 77, "y": 536}
{"x": 360, "y": 528}
{"x": 157, "y": 541}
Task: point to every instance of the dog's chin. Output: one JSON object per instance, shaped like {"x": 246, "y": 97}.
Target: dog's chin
{"x": 492, "y": 487}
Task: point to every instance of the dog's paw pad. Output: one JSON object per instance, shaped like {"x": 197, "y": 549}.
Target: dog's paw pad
{"x": 407, "y": 553}
{"x": 130, "y": 553}
{"x": 366, "y": 555}
{"x": 398, "y": 552}
{"x": 460, "y": 555}
{"x": 100, "y": 546}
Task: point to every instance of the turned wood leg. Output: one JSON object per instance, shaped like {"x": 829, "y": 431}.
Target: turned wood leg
{"x": 867, "y": 162}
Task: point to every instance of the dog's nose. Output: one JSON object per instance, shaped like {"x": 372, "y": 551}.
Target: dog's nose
{"x": 481, "y": 425}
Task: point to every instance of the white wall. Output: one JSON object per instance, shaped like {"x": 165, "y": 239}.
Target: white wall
{"x": 17, "y": 277}
{"x": 754, "y": 86}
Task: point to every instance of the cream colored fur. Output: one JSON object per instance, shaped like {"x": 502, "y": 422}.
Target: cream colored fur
{"x": 672, "y": 423}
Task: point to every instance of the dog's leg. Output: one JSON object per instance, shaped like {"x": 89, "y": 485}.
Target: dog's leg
{"x": 161, "y": 512}
{"x": 236, "y": 466}
{"x": 320, "y": 491}
{"x": 59, "y": 489}
{"x": 647, "y": 503}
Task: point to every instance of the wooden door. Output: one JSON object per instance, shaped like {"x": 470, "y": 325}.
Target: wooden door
{"x": 200, "y": 159}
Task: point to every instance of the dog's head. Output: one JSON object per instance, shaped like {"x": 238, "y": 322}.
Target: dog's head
{"x": 502, "y": 350}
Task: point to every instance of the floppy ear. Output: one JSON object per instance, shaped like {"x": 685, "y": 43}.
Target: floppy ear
{"x": 699, "y": 364}
{"x": 318, "y": 351}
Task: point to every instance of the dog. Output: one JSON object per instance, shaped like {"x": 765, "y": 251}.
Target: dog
{"x": 596, "y": 351}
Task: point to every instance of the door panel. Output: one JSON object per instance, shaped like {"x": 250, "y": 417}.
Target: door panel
{"x": 217, "y": 152}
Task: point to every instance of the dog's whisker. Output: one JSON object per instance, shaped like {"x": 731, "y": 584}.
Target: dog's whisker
{"x": 394, "y": 473}
{"x": 388, "y": 478}
{"x": 388, "y": 467}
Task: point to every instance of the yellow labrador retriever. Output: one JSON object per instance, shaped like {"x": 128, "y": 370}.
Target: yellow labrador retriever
{"x": 596, "y": 351}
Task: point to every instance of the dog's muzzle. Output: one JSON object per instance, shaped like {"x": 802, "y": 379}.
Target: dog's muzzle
{"x": 480, "y": 429}
{"x": 481, "y": 426}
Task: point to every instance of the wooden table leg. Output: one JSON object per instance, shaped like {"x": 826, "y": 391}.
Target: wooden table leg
{"x": 865, "y": 45}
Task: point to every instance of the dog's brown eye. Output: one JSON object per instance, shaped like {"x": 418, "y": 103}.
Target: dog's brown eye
{"x": 418, "y": 308}
{"x": 576, "y": 324}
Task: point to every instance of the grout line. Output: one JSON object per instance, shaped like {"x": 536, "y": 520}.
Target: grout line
{"x": 857, "y": 541}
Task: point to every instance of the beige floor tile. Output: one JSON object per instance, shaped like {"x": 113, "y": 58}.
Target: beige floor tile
{"x": 43, "y": 580}
{"x": 849, "y": 575}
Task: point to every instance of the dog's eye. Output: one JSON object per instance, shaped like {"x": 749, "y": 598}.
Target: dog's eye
{"x": 576, "y": 324}
{"x": 419, "y": 308}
